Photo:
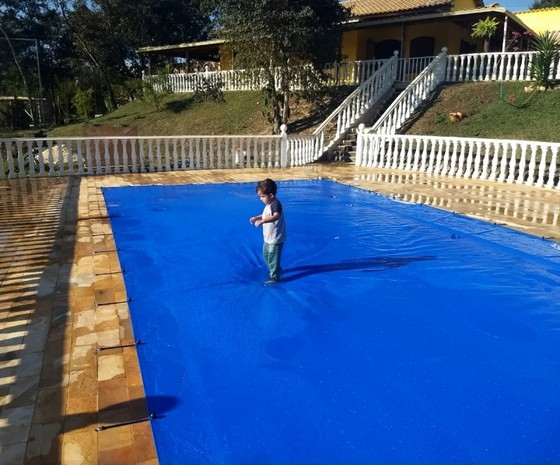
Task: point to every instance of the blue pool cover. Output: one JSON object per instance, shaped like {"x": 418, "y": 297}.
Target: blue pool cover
{"x": 401, "y": 334}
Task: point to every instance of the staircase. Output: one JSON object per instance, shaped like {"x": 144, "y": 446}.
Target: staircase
{"x": 345, "y": 150}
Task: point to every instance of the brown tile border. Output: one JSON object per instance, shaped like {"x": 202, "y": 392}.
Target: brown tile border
{"x": 60, "y": 281}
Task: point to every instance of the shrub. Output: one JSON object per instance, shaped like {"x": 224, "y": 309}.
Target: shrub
{"x": 83, "y": 102}
{"x": 546, "y": 57}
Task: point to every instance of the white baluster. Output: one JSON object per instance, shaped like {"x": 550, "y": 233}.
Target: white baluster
{"x": 183, "y": 155}
{"x": 79, "y": 158}
{"x": 453, "y": 168}
{"x": 461, "y": 163}
{"x": 40, "y": 158}
{"x": 424, "y": 159}
{"x": 60, "y": 157}
{"x": 444, "y": 167}
{"x": 219, "y": 152}
{"x": 10, "y": 158}
{"x": 21, "y": 160}
{"x": 522, "y": 165}
{"x": 486, "y": 160}
{"x": 388, "y": 151}
{"x": 175, "y": 155}
{"x": 151, "y": 161}
{"x": 133, "y": 156}
{"x": 204, "y": 153}
{"x": 90, "y": 156}
{"x": 532, "y": 165}
{"x": 116, "y": 155}
{"x": 410, "y": 154}
{"x": 106, "y": 156}
{"x": 191, "y": 153}
{"x": 469, "y": 164}
{"x": 198, "y": 164}
{"x": 477, "y": 168}
{"x": 50, "y": 157}
{"x": 542, "y": 165}
{"x": 166, "y": 154}
{"x": 504, "y": 162}
{"x": 30, "y": 158}
{"x": 435, "y": 147}
{"x": 512, "y": 168}
{"x": 553, "y": 166}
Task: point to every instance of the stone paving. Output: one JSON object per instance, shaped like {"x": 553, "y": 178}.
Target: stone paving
{"x": 62, "y": 298}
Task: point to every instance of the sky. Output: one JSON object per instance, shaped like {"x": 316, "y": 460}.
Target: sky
{"x": 512, "y": 5}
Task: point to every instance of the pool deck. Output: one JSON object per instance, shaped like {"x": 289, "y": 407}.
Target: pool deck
{"x": 62, "y": 297}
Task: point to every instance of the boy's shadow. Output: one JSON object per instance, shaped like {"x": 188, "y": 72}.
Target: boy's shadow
{"x": 367, "y": 265}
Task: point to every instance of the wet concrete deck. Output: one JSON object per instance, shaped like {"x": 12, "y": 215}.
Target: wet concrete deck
{"x": 62, "y": 297}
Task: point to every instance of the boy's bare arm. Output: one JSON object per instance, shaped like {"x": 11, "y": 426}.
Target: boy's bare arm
{"x": 270, "y": 219}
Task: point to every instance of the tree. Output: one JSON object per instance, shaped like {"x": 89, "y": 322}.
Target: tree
{"x": 544, "y": 4}
{"x": 485, "y": 29}
{"x": 281, "y": 37}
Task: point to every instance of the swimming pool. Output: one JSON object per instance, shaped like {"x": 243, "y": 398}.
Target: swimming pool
{"x": 400, "y": 333}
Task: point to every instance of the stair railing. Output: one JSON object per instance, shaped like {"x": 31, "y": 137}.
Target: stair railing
{"x": 358, "y": 102}
{"x": 411, "y": 98}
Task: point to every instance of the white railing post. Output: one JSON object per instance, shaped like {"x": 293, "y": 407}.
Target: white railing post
{"x": 360, "y": 145}
{"x": 284, "y": 152}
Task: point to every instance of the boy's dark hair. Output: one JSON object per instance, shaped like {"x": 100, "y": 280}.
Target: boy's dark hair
{"x": 268, "y": 186}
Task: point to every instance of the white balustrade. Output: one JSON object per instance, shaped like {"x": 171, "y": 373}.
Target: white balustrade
{"x": 488, "y": 159}
{"x": 348, "y": 74}
{"x": 506, "y": 66}
{"x": 358, "y": 103}
{"x": 115, "y": 155}
{"x": 407, "y": 102}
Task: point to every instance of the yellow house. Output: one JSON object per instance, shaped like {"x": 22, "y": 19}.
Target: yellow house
{"x": 377, "y": 28}
{"x": 421, "y": 28}
{"x": 541, "y": 20}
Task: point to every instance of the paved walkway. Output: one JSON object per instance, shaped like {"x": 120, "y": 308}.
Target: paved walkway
{"x": 62, "y": 297}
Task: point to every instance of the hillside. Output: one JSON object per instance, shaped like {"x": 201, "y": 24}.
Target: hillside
{"x": 489, "y": 109}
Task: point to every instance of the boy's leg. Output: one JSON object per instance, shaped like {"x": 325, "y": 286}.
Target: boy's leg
{"x": 274, "y": 256}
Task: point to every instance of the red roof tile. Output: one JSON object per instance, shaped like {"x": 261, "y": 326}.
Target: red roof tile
{"x": 380, "y": 7}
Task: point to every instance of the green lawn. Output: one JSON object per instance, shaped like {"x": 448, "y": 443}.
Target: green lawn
{"x": 493, "y": 110}
{"x": 490, "y": 109}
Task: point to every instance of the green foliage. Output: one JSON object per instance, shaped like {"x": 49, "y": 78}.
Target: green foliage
{"x": 156, "y": 88}
{"x": 83, "y": 102}
{"x": 546, "y": 57}
{"x": 442, "y": 119}
{"x": 65, "y": 91}
{"x": 485, "y": 29}
{"x": 208, "y": 89}
{"x": 544, "y": 4}
{"x": 280, "y": 36}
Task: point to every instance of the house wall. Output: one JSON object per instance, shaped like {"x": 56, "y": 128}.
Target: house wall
{"x": 227, "y": 60}
{"x": 545, "y": 19}
{"x": 360, "y": 44}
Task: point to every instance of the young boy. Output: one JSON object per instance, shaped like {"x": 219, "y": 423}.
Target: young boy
{"x": 274, "y": 228}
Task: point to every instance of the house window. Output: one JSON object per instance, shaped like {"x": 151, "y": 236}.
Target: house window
{"x": 422, "y": 46}
{"x": 386, "y": 48}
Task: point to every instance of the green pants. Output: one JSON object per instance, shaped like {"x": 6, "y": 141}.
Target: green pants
{"x": 272, "y": 254}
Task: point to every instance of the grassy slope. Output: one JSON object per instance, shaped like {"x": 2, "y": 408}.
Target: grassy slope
{"x": 486, "y": 114}
{"x": 180, "y": 114}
